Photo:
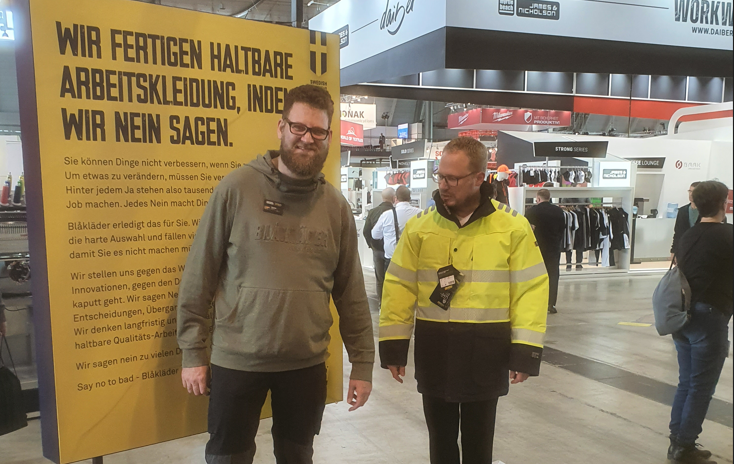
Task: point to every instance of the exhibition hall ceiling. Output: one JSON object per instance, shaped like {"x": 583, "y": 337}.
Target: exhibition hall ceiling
{"x": 278, "y": 11}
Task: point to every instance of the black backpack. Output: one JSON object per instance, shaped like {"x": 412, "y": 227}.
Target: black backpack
{"x": 12, "y": 407}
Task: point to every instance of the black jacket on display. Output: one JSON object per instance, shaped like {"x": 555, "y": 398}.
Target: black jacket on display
{"x": 369, "y": 224}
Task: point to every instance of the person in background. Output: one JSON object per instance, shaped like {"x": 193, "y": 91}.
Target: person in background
{"x": 687, "y": 217}
{"x": 549, "y": 223}
{"x": 378, "y": 246}
{"x": 704, "y": 256}
{"x": 493, "y": 292}
{"x": 385, "y": 227}
{"x": 275, "y": 244}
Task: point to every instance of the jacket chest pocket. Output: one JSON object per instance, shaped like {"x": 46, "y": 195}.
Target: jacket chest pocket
{"x": 491, "y": 252}
{"x": 435, "y": 252}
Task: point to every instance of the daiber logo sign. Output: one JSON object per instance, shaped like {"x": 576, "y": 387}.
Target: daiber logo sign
{"x": 394, "y": 15}
{"x": 528, "y": 117}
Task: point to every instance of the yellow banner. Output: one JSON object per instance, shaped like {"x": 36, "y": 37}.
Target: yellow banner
{"x": 141, "y": 110}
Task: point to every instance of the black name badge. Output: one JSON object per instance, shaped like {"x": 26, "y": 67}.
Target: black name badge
{"x": 273, "y": 207}
{"x": 449, "y": 279}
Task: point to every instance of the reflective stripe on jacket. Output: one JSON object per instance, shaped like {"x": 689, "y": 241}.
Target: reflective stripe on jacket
{"x": 497, "y": 318}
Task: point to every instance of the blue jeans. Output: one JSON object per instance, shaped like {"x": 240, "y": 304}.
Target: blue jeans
{"x": 702, "y": 347}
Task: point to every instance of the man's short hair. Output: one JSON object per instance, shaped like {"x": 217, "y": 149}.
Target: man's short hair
{"x": 695, "y": 184}
{"x": 403, "y": 193}
{"x": 388, "y": 194}
{"x": 311, "y": 95}
{"x": 709, "y": 197}
{"x": 544, "y": 194}
{"x": 473, "y": 149}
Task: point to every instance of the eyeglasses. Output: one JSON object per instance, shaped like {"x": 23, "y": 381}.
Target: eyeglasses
{"x": 451, "y": 181}
{"x": 300, "y": 130}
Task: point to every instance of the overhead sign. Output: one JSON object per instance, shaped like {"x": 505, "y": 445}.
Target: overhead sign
{"x": 419, "y": 172}
{"x": 352, "y": 134}
{"x": 408, "y": 151}
{"x": 465, "y": 119}
{"x": 131, "y": 114}
{"x": 570, "y": 149}
{"x": 403, "y": 131}
{"x": 509, "y": 119}
{"x": 361, "y": 113}
{"x": 614, "y": 173}
{"x": 683, "y": 23}
{"x": 649, "y": 163}
{"x": 368, "y": 28}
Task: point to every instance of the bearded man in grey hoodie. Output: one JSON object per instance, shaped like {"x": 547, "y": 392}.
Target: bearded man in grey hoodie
{"x": 276, "y": 241}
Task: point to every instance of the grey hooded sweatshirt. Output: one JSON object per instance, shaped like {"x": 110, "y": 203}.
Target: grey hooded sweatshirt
{"x": 270, "y": 275}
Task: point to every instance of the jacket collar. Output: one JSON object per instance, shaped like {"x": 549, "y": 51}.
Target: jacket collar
{"x": 484, "y": 209}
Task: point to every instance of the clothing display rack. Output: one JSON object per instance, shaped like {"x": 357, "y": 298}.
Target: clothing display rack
{"x": 559, "y": 170}
{"x": 616, "y": 200}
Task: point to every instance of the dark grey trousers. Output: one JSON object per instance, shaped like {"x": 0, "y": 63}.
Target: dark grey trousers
{"x": 237, "y": 397}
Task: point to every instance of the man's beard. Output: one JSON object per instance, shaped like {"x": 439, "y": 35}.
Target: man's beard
{"x": 304, "y": 165}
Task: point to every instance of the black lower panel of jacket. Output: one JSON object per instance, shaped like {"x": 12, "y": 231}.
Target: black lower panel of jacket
{"x": 462, "y": 362}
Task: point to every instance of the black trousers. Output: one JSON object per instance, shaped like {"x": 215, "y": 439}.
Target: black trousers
{"x": 552, "y": 260}
{"x": 237, "y": 397}
{"x": 476, "y": 420}
{"x": 378, "y": 257}
{"x": 579, "y": 257}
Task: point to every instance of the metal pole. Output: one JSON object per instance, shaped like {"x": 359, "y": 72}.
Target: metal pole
{"x": 297, "y": 13}
{"x": 98, "y": 460}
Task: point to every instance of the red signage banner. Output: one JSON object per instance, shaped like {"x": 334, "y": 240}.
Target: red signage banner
{"x": 730, "y": 202}
{"x": 498, "y": 118}
{"x": 526, "y": 117}
{"x": 352, "y": 134}
{"x": 467, "y": 118}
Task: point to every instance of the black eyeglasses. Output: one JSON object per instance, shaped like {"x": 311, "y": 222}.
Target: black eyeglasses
{"x": 300, "y": 130}
{"x": 451, "y": 181}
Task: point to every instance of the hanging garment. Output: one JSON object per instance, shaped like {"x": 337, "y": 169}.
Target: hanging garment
{"x": 620, "y": 228}
{"x": 572, "y": 225}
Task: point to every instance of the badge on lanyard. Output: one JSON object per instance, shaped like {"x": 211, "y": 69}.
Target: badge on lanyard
{"x": 449, "y": 279}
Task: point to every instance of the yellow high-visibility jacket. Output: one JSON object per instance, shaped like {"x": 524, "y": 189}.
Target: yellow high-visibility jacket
{"x": 497, "y": 318}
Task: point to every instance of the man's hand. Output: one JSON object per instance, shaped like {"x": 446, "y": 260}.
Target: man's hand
{"x": 518, "y": 377}
{"x": 195, "y": 380}
{"x": 359, "y": 392}
{"x": 3, "y": 328}
{"x": 397, "y": 372}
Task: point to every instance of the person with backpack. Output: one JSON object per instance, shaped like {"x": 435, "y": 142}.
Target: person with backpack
{"x": 704, "y": 257}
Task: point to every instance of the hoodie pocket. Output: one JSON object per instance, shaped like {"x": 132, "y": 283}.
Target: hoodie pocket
{"x": 267, "y": 323}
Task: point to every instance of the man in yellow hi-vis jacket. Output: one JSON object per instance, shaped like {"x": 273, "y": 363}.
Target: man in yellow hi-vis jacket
{"x": 479, "y": 260}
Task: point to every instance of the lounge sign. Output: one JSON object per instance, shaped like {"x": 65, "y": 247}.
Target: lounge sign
{"x": 649, "y": 163}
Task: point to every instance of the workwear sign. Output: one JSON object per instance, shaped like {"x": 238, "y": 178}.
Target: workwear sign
{"x": 131, "y": 114}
